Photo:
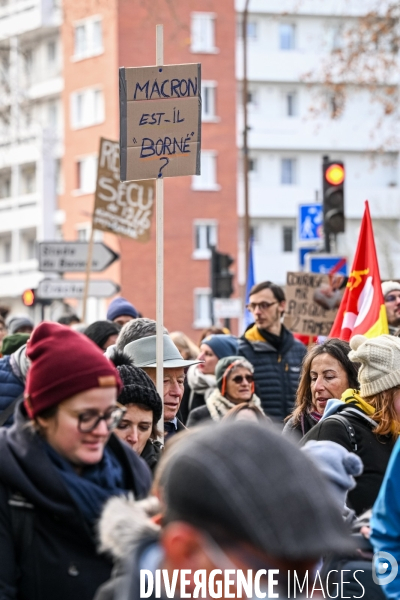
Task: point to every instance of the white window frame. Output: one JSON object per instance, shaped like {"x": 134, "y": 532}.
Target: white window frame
{"x": 293, "y": 46}
{"x": 252, "y": 23}
{"x": 89, "y": 189}
{"x": 294, "y": 171}
{"x": 198, "y": 181}
{"x": 199, "y": 321}
{"x": 87, "y": 228}
{"x": 91, "y": 49}
{"x": 212, "y": 116}
{"x": 204, "y": 253}
{"x": 94, "y": 119}
{"x": 198, "y": 48}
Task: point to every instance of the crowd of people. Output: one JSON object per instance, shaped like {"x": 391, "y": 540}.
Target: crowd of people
{"x": 262, "y": 453}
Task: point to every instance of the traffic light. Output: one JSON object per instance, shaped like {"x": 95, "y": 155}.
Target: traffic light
{"x": 29, "y": 298}
{"x": 221, "y": 277}
{"x": 333, "y": 176}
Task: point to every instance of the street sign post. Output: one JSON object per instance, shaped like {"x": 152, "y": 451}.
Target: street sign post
{"x": 71, "y": 257}
{"x": 58, "y": 289}
{"x": 326, "y": 264}
{"x": 310, "y": 223}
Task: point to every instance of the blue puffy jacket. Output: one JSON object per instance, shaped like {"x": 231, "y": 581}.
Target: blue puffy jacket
{"x": 11, "y": 386}
{"x": 385, "y": 521}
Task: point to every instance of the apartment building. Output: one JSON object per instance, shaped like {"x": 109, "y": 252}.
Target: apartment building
{"x": 30, "y": 139}
{"x": 199, "y": 211}
{"x": 289, "y": 135}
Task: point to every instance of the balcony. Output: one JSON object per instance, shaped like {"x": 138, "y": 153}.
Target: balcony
{"x": 23, "y": 16}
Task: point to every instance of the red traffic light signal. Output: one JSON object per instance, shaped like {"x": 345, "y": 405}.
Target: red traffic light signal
{"x": 334, "y": 174}
{"x": 28, "y": 297}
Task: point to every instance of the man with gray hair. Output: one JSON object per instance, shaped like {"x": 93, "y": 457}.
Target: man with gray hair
{"x": 136, "y": 330}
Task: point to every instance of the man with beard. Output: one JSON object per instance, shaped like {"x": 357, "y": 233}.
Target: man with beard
{"x": 273, "y": 351}
{"x": 391, "y": 296}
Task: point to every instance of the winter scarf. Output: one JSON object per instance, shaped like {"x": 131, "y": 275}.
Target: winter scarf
{"x": 20, "y": 363}
{"x": 200, "y": 383}
{"x": 91, "y": 490}
{"x": 218, "y": 405}
{"x": 352, "y": 399}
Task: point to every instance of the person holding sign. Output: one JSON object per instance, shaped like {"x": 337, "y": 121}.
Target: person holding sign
{"x": 272, "y": 350}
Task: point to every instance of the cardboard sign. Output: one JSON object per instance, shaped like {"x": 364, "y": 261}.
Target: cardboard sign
{"x": 121, "y": 208}
{"x": 160, "y": 121}
{"x": 312, "y": 301}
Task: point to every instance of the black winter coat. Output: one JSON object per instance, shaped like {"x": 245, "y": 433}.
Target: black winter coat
{"x": 276, "y": 375}
{"x": 373, "y": 450}
{"x": 47, "y": 550}
{"x": 152, "y": 453}
{"x": 297, "y": 431}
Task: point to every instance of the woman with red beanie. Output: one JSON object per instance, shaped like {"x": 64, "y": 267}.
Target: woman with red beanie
{"x": 59, "y": 464}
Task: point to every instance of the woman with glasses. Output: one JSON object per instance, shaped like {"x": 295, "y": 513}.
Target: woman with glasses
{"x": 143, "y": 410}
{"x": 235, "y": 385}
{"x": 59, "y": 464}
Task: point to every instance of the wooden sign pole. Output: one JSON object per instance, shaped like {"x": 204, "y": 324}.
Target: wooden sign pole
{"x": 160, "y": 256}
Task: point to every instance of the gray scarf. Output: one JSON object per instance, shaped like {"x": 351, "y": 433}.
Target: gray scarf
{"x": 20, "y": 363}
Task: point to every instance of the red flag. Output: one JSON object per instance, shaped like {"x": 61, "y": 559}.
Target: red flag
{"x": 362, "y": 309}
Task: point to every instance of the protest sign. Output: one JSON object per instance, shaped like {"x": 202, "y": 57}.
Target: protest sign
{"x": 124, "y": 208}
{"x": 160, "y": 121}
{"x": 312, "y": 301}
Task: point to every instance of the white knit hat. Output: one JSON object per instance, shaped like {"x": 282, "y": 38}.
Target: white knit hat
{"x": 380, "y": 362}
{"x": 389, "y": 286}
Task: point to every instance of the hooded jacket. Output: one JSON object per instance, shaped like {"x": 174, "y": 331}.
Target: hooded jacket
{"x": 374, "y": 450}
{"x": 276, "y": 374}
{"x": 47, "y": 549}
{"x": 12, "y": 382}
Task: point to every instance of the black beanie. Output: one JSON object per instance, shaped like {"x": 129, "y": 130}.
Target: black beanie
{"x": 139, "y": 389}
{"x": 100, "y": 331}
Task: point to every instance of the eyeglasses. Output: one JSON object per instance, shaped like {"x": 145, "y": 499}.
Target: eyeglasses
{"x": 239, "y": 378}
{"x": 392, "y": 298}
{"x": 89, "y": 419}
{"x": 261, "y": 305}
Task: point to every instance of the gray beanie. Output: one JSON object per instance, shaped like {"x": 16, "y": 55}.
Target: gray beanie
{"x": 16, "y": 322}
{"x": 390, "y": 286}
{"x": 246, "y": 482}
{"x": 380, "y": 362}
{"x": 337, "y": 464}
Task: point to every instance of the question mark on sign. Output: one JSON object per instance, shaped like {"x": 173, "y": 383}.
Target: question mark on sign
{"x": 164, "y": 165}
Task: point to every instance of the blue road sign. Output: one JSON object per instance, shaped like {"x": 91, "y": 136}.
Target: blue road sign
{"x": 310, "y": 222}
{"x": 302, "y": 254}
{"x": 326, "y": 263}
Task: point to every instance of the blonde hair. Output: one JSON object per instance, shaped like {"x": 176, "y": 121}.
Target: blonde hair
{"x": 186, "y": 347}
{"x": 385, "y": 414}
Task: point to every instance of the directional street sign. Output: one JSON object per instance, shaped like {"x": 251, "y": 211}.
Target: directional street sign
{"x": 310, "y": 222}
{"x": 326, "y": 264}
{"x": 71, "y": 257}
{"x": 227, "y": 308}
{"x": 55, "y": 289}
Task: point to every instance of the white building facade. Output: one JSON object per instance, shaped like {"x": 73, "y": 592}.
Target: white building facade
{"x": 30, "y": 139}
{"x": 289, "y": 135}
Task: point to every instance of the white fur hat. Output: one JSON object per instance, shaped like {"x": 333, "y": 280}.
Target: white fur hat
{"x": 389, "y": 286}
{"x": 380, "y": 362}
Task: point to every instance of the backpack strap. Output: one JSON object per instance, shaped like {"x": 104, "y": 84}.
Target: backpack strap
{"x": 349, "y": 428}
{"x": 7, "y": 412}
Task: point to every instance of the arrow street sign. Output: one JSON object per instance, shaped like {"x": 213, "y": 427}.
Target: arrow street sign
{"x": 55, "y": 289}
{"x": 69, "y": 257}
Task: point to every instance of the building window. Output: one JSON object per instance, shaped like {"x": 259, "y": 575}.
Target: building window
{"x": 252, "y": 30}
{"x": 203, "y": 32}
{"x": 288, "y": 171}
{"x": 28, "y": 244}
{"x": 202, "y": 308}
{"x": 83, "y": 231}
{"x": 88, "y": 38}
{"x": 51, "y": 52}
{"x": 288, "y": 234}
{"x": 207, "y": 180}
{"x": 208, "y": 105}
{"x": 253, "y": 165}
{"x": 52, "y": 114}
{"x": 205, "y": 236}
{"x": 286, "y": 36}
{"x": 251, "y": 98}
{"x": 28, "y": 180}
{"x": 86, "y": 172}
{"x": 28, "y": 61}
{"x": 87, "y": 108}
{"x": 5, "y": 249}
{"x": 5, "y": 185}
{"x": 291, "y": 104}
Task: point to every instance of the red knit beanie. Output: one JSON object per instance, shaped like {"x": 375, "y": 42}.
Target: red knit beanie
{"x": 64, "y": 363}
